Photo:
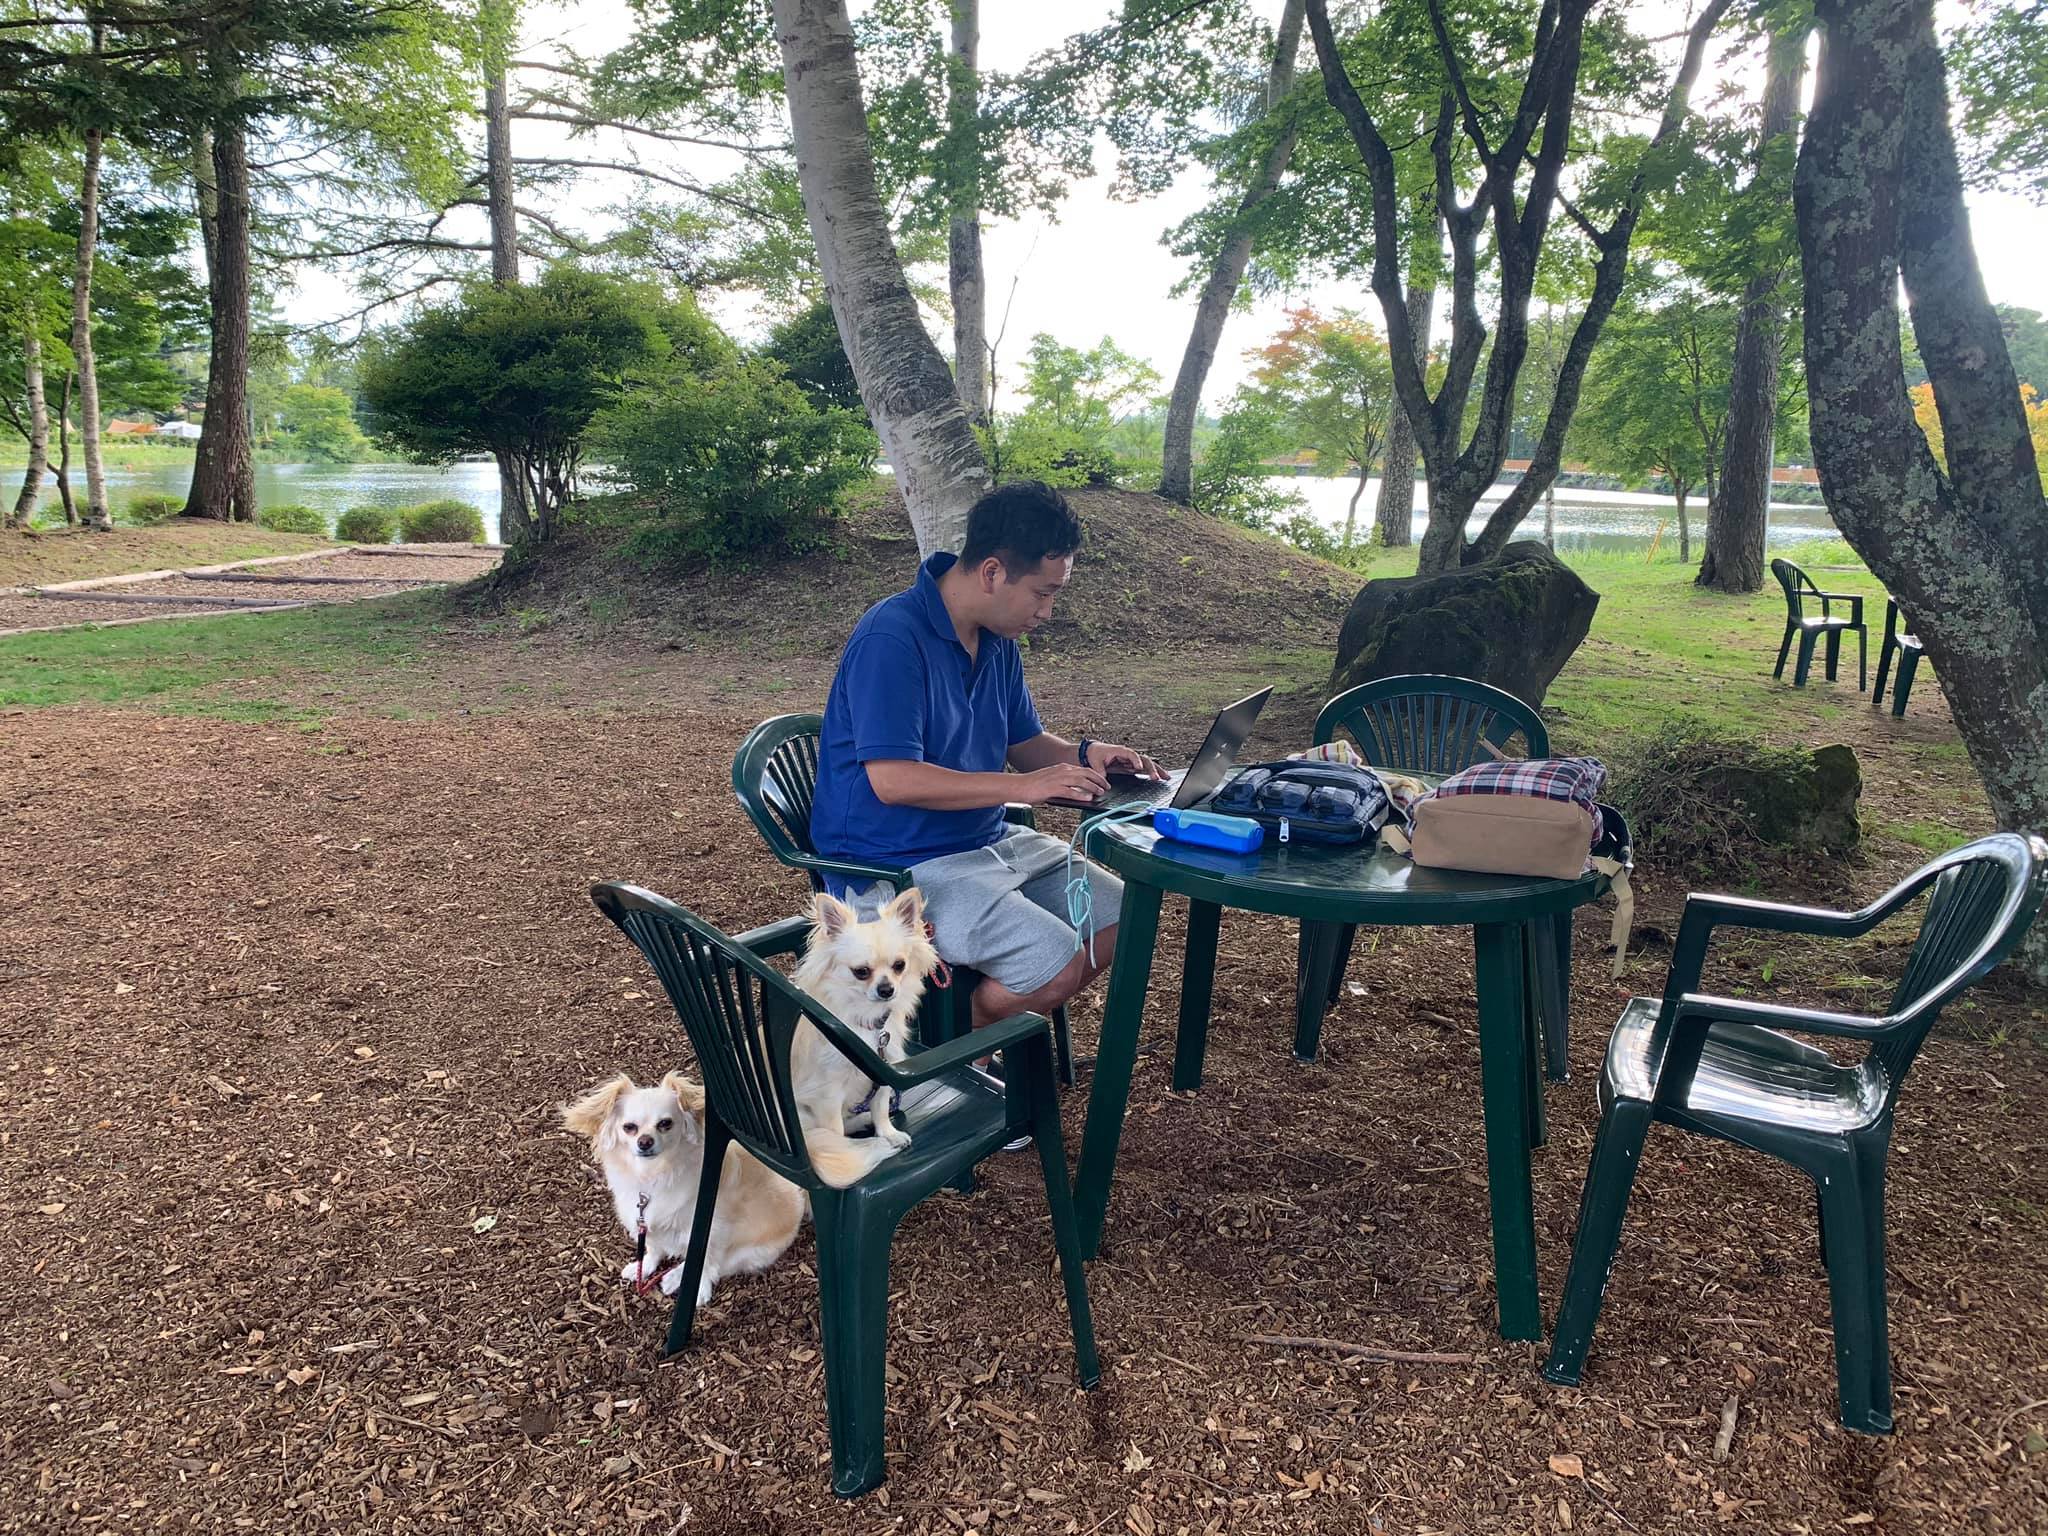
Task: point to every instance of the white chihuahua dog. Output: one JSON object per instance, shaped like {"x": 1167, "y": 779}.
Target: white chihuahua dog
{"x": 650, "y": 1144}
{"x": 870, "y": 975}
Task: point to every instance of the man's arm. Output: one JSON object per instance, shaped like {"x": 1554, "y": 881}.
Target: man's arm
{"x": 896, "y": 781}
{"x": 1046, "y": 750}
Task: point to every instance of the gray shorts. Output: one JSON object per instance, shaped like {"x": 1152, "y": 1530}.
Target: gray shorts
{"x": 1003, "y": 909}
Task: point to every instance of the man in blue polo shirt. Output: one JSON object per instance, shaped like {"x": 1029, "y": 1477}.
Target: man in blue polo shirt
{"x": 928, "y": 710}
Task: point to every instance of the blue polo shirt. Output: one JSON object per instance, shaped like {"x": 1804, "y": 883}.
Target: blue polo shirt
{"x": 906, "y": 690}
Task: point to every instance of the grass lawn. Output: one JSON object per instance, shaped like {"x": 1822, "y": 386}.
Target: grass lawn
{"x": 59, "y": 554}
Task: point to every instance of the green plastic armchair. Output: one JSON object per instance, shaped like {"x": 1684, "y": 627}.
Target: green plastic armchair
{"x": 1901, "y": 643}
{"x": 775, "y": 775}
{"x": 1727, "y": 1067}
{"x": 1438, "y": 724}
{"x": 741, "y": 1015}
{"x": 1808, "y": 627}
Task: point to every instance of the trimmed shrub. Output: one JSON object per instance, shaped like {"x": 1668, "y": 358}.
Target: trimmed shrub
{"x": 441, "y": 522}
{"x": 367, "y": 525}
{"x": 294, "y": 517}
{"x": 148, "y": 511}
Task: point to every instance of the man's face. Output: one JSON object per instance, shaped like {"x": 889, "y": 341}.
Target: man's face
{"x": 1016, "y": 607}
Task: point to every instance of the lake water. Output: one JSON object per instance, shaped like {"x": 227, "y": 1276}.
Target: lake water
{"x": 1593, "y": 520}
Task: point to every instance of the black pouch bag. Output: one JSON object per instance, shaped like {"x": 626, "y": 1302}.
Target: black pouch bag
{"x": 1308, "y": 802}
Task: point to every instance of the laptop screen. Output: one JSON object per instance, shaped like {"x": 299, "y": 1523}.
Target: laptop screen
{"x": 1219, "y": 749}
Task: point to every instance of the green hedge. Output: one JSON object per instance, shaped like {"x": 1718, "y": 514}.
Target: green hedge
{"x": 294, "y": 517}
{"x": 150, "y": 510}
{"x": 367, "y": 525}
{"x": 441, "y": 522}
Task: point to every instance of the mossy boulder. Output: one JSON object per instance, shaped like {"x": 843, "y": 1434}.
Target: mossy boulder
{"x": 1695, "y": 794}
{"x": 1808, "y": 802}
{"x": 1512, "y": 621}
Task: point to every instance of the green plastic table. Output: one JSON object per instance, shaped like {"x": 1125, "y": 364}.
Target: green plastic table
{"x": 1332, "y": 886}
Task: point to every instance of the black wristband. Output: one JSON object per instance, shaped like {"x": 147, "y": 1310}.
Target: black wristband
{"x": 1082, "y": 750}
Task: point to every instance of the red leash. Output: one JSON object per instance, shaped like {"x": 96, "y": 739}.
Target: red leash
{"x": 942, "y": 974}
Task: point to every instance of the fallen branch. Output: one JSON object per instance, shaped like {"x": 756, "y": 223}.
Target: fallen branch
{"x": 1726, "y": 1437}
{"x": 1361, "y": 1351}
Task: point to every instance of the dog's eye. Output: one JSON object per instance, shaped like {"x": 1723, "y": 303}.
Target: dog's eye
{"x": 897, "y": 966}
{"x": 629, "y": 1127}
{"x": 862, "y": 972}
{"x": 664, "y": 1125}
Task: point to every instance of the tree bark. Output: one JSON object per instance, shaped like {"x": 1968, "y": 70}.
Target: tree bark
{"x": 1966, "y": 553}
{"x": 1394, "y": 518}
{"x": 1226, "y": 273}
{"x": 63, "y": 476}
{"x": 1680, "y": 490}
{"x": 964, "y": 272}
{"x": 904, "y": 381}
{"x": 1738, "y": 508}
{"x": 38, "y": 426}
{"x": 224, "y": 466}
{"x": 515, "y": 508}
{"x": 1351, "y": 512}
{"x": 98, "y": 516}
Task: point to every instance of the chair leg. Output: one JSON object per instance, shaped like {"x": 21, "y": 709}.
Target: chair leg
{"x": 1909, "y": 662}
{"x": 1063, "y": 1045}
{"x": 1340, "y": 958}
{"x": 853, "y": 1292}
{"x": 1852, "y": 1196}
{"x": 1884, "y": 668}
{"x": 1862, "y": 658}
{"x": 1834, "y": 652}
{"x": 1066, "y": 1231}
{"x": 1617, "y": 1147}
{"x": 716, "y": 1138}
{"x": 1784, "y": 650}
{"x": 1805, "y": 664}
{"x": 1311, "y": 989}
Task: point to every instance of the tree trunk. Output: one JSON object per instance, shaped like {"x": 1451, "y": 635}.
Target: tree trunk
{"x": 964, "y": 273}
{"x": 38, "y": 426}
{"x": 1394, "y": 518}
{"x": 1738, "y": 508}
{"x": 98, "y": 516}
{"x": 1550, "y": 516}
{"x": 1177, "y": 466}
{"x": 224, "y": 466}
{"x": 64, "y": 451}
{"x": 515, "y": 510}
{"x": 1351, "y": 512}
{"x": 1965, "y": 553}
{"x": 904, "y": 381}
{"x": 1680, "y": 488}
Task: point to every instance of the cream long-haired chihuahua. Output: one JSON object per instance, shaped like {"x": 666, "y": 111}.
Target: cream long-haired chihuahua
{"x": 650, "y": 1144}
{"x": 871, "y": 976}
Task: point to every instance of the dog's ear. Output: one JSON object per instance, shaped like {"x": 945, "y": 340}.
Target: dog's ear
{"x": 830, "y": 917}
{"x": 688, "y": 1094}
{"x": 907, "y": 908}
{"x": 587, "y": 1116}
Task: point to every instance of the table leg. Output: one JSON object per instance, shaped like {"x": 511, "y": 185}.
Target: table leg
{"x": 1503, "y": 1068}
{"x": 1198, "y": 979}
{"x": 1534, "y": 941}
{"x": 1312, "y": 985}
{"x": 1115, "y": 1055}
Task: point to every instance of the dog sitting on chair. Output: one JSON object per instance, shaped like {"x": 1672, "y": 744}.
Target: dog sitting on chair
{"x": 650, "y": 1144}
{"x": 871, "y": 976}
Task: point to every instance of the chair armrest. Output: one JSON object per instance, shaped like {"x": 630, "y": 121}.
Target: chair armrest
{"x": 1808, "y": 1021}
{"x": 1704, "y": 914}
{"x": 1853, "y": 599}
{"x": 771, "y": 939}
{"x": 848, "y": 869}
{"x": 971, "y": 1046}
{"x": 1018, "y": 814}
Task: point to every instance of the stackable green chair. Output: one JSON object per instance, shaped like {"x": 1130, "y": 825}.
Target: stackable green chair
{"x": 1902, "y": 643}
{"x": 1438, "y": 724}
{"x": 1809, "y": 627}
{"x": 775, "y": 775}
{"x": 1724, "y": 1067}
{"x": 741, "y": 1015}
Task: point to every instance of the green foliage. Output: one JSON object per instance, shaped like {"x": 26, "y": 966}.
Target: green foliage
{"x": 149, "y": 510}
{"x": 1029, "y": 447}
{"x": 1332, "y": 381}
{"x": 293, "y": 517}
{"x": 1694, "y": 793}
{"x": 735, "y": 461}
{"x": 441, "y": 522}
{"x": 1085, "y": 392}
{"x": 808, "y": 347}
{"x": 366, "y": 525}
{"x": 1232, "y": 478}
{"x": 2000, "y": 71}
{"x": 319, "y": 425}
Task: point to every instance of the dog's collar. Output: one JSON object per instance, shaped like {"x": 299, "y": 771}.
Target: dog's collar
{"x": 881, "y": 1049}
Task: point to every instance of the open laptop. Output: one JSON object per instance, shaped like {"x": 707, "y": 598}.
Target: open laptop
{"x": 1199, "y": 780}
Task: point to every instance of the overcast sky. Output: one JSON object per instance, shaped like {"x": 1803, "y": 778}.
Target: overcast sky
{"x": 1097, "y": 268}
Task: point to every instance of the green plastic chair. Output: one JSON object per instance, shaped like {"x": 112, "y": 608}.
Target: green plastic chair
{"x": 1723, "y": 1067}
{"x": 1809, "y": 628}
{"x": 1434, "y": 723}
{"x": 1899, "y": 641}
{"x": 741, "y": 1014}
{"x": 775, "y": 775}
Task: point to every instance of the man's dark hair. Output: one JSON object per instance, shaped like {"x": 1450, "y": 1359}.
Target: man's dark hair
{"x": 1021, "y": 524}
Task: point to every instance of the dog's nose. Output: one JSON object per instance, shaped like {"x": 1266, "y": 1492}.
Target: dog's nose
{"x": 885, "y": 989}
{"x": 646, "y": 1143}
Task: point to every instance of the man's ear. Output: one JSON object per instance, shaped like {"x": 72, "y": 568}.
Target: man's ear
{"x": 991, "y": 574}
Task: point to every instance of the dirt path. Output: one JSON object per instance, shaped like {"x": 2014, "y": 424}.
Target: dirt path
{"x": 291, "y": 1242}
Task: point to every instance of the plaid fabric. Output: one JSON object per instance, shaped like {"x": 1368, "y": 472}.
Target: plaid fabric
{"x": 1577, "y": 779}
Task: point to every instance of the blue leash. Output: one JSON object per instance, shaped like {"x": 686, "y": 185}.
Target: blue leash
{"x": 1080, "y": 896}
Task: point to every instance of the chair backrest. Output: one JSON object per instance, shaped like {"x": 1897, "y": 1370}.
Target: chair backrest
{"x": 740, "y": 1014}
{"x": 775, "y": 774}
{"x": 1984, "y": 897}
{"x": 1425, "y": 722}
{"x": 1797, "y": 585}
